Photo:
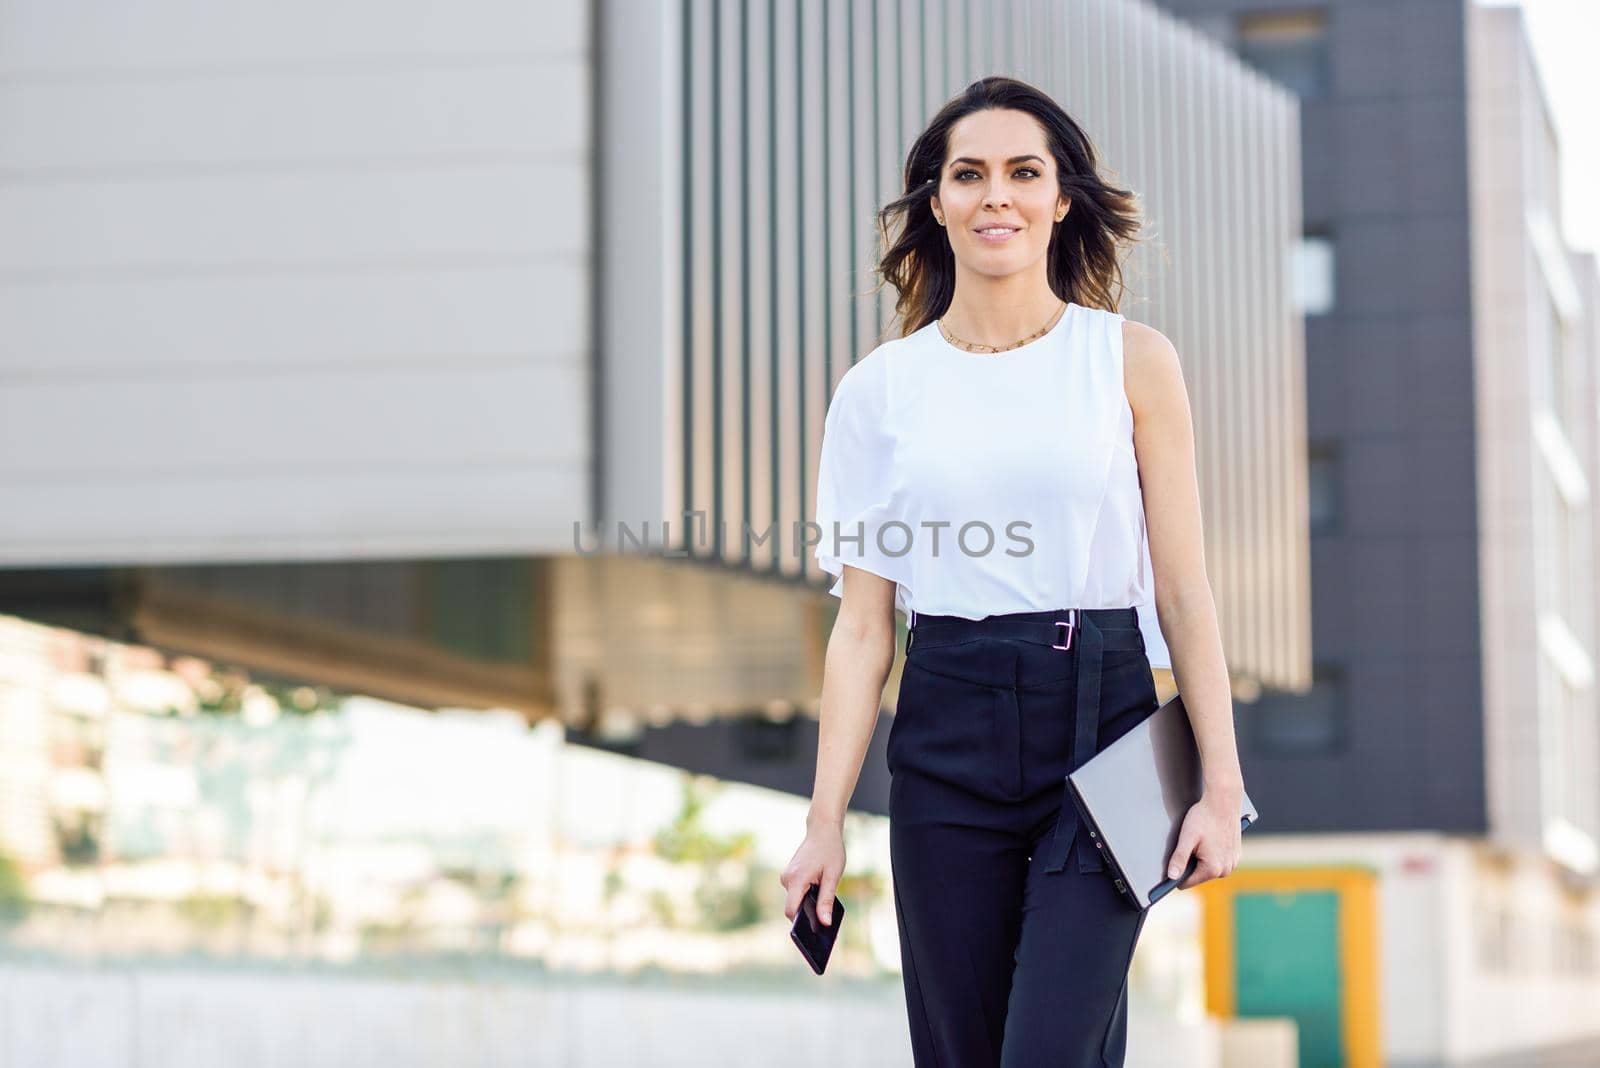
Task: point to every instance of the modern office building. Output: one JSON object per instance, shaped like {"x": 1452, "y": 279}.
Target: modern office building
{"x": 1450, "y": 741}
{"x": 329, "y": 339}
{"x": 355, "y": 379}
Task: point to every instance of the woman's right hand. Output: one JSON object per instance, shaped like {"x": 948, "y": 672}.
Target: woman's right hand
{"x": 820, "y": 860}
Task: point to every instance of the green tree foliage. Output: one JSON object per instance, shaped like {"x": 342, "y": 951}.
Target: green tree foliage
{"x": 728, "y": 896}
{"x": 13, "y": 892}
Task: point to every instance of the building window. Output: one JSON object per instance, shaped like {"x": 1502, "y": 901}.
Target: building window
{"x": 1313, "y": 273}
{"x": 1322, "y": 486}
{"x": 1562, "y": 396}
{"x": 1566, "y": 565}
{"x": 1290, "y": 47}
{"x": 1309, "y": 724}
{"x": 769, "y": 741}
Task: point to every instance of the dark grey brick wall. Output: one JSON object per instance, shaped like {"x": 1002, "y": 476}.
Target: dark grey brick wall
{"x": 1389, "y": 385}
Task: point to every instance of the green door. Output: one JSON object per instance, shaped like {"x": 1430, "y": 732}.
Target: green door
{"x": 1287, "y": 964}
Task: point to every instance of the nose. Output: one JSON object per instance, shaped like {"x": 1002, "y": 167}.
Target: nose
{"x": 995, "y": 196}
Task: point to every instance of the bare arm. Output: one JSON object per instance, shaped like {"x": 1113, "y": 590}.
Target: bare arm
{"x": 860, "y": 654}
{"x": 859, "y": 657}
{"x": 1163, "y": 432}
{"x": 1163, "y": 435}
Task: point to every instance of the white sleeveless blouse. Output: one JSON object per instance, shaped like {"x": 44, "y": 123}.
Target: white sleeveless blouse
{"x": 988, "y": 484}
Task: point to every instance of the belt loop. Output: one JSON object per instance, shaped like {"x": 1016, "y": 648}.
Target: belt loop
{"x": 1070, "y": 623}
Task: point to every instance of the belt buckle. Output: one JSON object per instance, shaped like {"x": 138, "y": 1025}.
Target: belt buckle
{"x": 1070, "y": 622}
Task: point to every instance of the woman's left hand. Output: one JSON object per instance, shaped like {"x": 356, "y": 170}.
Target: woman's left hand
{"x": 1210, "y": 832}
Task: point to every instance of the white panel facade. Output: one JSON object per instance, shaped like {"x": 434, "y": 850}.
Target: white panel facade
{"x": 295, "y": 281}
{"x": 1536, "y": 388}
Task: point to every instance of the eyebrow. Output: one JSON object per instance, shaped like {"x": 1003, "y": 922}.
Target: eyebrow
{"x": 979, "y": 162}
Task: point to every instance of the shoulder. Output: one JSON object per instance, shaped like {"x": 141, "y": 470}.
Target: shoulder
{"x": 1144, "y": 344}
{"x": 867, "y": 378}
{"x": 865, "y": 374}
{"x": 860, "y": 389}
{"x": 1150, "y": 363}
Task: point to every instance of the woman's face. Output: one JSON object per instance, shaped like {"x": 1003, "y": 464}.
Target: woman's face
{"x": 984, "y": 185}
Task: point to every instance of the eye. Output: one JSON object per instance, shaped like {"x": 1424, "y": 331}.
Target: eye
{"x": 968, "y": 170}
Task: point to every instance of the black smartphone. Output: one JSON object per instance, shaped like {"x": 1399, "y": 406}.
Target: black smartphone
{"x": 813, "y": 937}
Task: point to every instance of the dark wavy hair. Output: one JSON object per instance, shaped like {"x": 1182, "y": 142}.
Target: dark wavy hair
{"x": 1084, "y": 264}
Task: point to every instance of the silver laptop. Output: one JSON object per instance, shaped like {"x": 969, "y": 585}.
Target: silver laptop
{"x": 1133, "y": 796}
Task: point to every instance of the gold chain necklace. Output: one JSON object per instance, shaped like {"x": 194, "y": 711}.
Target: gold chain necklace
{"x": 974, "y": 346}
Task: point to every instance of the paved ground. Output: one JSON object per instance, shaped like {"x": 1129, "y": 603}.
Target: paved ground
{"x": 1582, "y": 1055}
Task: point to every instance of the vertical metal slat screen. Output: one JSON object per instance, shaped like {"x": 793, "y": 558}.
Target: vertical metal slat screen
{"x": 796, "y": 117}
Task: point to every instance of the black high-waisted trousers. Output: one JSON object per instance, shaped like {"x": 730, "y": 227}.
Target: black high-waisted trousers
{"x": 1015, "y": 945}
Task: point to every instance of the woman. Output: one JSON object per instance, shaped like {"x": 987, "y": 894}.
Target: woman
{"x": 1016, "y": 405}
